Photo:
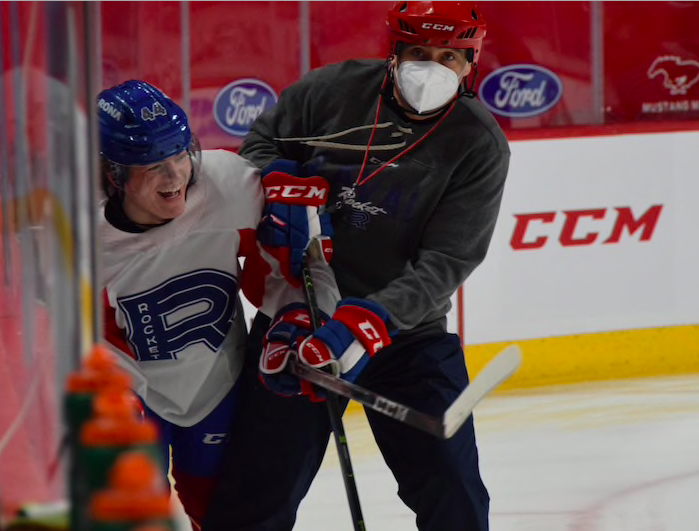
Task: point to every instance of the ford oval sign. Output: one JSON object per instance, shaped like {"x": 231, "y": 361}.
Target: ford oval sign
{"x": 239, "y": 103}
{"x": 520, "y": 90}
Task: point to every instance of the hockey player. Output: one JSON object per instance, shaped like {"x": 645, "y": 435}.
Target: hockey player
{"x": 417, "y": 168}
{"x": 174, "y": 224}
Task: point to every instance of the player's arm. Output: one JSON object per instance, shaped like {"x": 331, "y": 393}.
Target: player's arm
{"x": 293, "y": 216}
{"x": 291, "y": 221}
{"x": 289, "y": 218}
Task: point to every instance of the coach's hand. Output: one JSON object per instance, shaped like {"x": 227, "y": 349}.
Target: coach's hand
{"x": 344, "y": 345}
{"x": 293, "y": 215}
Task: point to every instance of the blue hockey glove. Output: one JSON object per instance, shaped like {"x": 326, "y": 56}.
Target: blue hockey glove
{"x": 344, "y": 345}
{"x": 289, "y": 328}
{"x": 293, "y": 215}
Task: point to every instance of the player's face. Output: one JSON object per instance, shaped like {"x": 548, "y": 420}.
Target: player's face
{"x": 155, "y": 193}
{"x": 449, "y": 57}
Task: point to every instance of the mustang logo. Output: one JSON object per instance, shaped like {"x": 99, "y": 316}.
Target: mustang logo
{"x": 678, "y": 75}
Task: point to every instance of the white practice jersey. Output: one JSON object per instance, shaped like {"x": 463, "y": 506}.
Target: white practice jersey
{"x": 171, "y": 293}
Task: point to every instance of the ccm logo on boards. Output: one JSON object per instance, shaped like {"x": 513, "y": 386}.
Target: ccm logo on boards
{"x": 528, "y": 230}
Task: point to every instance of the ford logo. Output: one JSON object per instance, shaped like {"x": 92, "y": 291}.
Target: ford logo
{"x": 240, "y": 102}
{"x": 520, "y": 90}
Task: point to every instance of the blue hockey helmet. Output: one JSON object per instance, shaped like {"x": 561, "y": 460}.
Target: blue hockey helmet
{"x": 140, "y": 125}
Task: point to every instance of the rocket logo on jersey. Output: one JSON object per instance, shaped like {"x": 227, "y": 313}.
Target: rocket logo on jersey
{"x": 194, "y": 308}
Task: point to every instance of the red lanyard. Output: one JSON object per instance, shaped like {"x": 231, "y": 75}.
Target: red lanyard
{"x": 361, "y": 180}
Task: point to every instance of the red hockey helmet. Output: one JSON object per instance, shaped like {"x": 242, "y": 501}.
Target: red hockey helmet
{"x": 457, "y": 25}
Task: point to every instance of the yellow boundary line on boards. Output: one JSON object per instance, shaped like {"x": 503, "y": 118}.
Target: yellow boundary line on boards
{"x": 593, "y": 357}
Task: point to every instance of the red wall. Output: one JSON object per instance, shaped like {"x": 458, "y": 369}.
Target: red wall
{"x": 262, "y": 40}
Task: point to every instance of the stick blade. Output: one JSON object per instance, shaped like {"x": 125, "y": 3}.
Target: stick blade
{"x": 500, "y": 368}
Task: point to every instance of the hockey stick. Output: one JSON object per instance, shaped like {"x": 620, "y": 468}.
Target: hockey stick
{"x": 334, "y": 412}
{"x": 497, "y": 371}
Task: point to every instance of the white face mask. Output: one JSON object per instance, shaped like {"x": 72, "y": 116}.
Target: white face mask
{"x": 426, "y": 85}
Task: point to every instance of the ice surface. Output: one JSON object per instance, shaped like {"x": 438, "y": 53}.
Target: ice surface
{"x": 610, "y": 456}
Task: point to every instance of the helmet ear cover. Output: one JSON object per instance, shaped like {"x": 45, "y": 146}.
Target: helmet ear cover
{"x": 470, "y": 55}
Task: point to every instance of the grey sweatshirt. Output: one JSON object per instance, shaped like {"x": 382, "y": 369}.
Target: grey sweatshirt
{"x": 412, "y": 234}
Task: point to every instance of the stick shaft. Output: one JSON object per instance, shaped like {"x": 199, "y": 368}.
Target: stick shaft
{"x": 334, "y": 412}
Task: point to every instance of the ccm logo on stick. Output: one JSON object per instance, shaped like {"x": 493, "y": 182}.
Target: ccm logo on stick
{"x": 525, "y": 237}
{"x": 440, "y": 27}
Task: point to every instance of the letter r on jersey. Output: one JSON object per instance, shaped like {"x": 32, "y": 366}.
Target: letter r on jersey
{"x": 196, "y": 307}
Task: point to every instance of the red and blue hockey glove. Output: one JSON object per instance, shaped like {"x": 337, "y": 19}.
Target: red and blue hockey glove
{"x": 289, "y": 328}
{"x": 344, "y": 345}
{"x": 293, "y": 215}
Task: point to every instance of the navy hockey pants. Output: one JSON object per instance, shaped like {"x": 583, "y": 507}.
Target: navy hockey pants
{"x": 277, "y": 444}
{"x": 197, "y": 452}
